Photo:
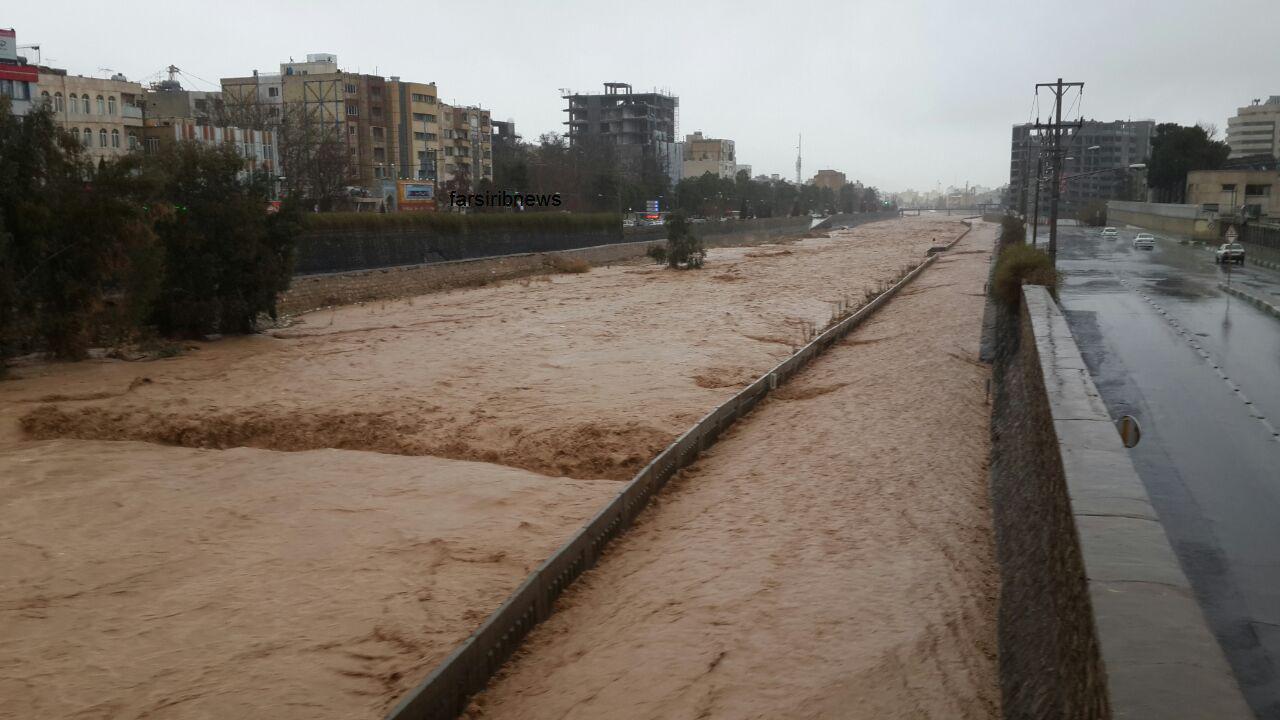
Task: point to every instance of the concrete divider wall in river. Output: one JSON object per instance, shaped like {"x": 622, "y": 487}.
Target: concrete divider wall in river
{"x": 1097, "y": 619}
{"x": 446, "y": 691}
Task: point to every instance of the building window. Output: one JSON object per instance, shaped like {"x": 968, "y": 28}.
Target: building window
{"x": 102, "y": 106}
{"x": 115, "y": 138}
{"x": 351, "y": 88}
{"x": 379, "y": 133}
{"x": 448, "y": 151}
{"x": 46, "y": 99}
{"x": 419, "y": 97}
{"x": 273, "y": 92}
{"x": 85, "y": 100}
{"x": 1257, "y": 190}
{"x": 375, "y": 91}
{"x": 352, "y": 110}
{"x": 153, "y": 145}
{"x": 133, "y": 142}
{"x": 266, "y": 151}
{"x": 111, "y": 104}
{"x": 57, "y": 102}
{"x": 102, "y": 137}
{"x": 379, "y": 155}
{"x": 1231, "y": 187}
{"x": 88, "y": 137}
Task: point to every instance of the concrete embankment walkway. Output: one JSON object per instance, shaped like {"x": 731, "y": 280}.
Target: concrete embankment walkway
{"x": 832, "y": 556}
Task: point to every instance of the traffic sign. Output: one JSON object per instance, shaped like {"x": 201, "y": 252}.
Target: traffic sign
{"x": 1232, "y": 234}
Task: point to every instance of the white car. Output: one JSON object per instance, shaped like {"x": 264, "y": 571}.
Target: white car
{"x": 1144, "y": 241}
{"x": 1110, "y": 233}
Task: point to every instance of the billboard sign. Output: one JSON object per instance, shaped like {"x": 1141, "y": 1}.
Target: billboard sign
{"x": 417, "y": 195}
{"x": 8, "y": 44}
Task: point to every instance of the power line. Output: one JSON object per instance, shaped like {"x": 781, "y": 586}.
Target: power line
{"x": 1057, "y": 132}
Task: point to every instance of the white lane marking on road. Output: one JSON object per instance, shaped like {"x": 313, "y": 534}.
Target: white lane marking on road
{"x": 1217, "y": 367}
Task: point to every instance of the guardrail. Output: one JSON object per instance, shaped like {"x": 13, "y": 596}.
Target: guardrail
{"x": 446, "y": 691}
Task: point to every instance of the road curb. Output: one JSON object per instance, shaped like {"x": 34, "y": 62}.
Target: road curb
{"x": 1264, "y": 263}
{"x": 1252, "y": 299}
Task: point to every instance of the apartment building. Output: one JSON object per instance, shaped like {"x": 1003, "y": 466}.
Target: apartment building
{"x": 466, "y": 144}
{"x": 172, "y": 114}
{"x": 1228, "y": 192}
{"x": 1096, "y": 162}
{"x": 106, "y": 113}
{"x": 707, "y": 155}
{"x": 391, "y": 129}
{"x": 1255, "y": 129}
{"x": 18, "y": 80}
{"x": 831, "y": 179}
{"x": 167, "y": 99}
{"x": 640, "y": 127}
{"x": 415, "y": 138}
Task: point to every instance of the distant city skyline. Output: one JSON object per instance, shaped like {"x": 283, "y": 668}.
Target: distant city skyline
{"x": 897, "y": 96}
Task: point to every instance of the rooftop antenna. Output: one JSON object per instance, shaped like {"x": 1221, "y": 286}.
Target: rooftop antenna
{"x": 799, "y": 142}
{"x": 173, "y": 70}
{"x": 35, "y": 47}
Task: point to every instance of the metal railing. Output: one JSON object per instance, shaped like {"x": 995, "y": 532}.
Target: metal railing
{"x": 446, "y": 691}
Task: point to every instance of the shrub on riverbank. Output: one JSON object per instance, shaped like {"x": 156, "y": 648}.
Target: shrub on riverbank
{"x": 1021, "y": 264}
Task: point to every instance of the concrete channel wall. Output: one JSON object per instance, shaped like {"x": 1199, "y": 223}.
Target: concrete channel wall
{"x": 1097, "y": 619}
{"x": 446, "y": 691}
{"x": 310, "y": 292}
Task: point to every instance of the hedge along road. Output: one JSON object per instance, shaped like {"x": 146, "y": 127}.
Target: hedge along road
{"x": 832, "y": 556}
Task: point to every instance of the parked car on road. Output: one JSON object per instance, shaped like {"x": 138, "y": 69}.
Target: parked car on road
{"x": 1229, "y": 253}
{"x": 1110, "y": 233}
{"x": 1144, "y": 241}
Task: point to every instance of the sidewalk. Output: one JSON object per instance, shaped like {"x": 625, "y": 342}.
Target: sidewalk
{"x": 832, "y": 556}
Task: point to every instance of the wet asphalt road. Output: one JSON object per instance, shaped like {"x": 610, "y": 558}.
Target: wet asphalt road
{"x": 1201, "y": 372}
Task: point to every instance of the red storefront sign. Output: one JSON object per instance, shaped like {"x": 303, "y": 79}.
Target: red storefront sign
{"x": 20, "y": 73}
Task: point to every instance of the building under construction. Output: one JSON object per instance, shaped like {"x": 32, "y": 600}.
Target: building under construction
{"x": 640, "y": 127}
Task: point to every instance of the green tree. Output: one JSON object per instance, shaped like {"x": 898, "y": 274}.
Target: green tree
{"x": 1177, "y": 150}
{"x": 75, "y": 243}
{"x": 683, "y": 247}
{"x": 225, "y": 257}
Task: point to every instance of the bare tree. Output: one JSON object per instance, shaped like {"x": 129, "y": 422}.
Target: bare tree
{"x": 313, "y": 155}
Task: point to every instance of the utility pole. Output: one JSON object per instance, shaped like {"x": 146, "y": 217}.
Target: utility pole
{"x": 799, "y": 142}
{"x": 1035, "y": 219}
{"x": 1057, "y": 131}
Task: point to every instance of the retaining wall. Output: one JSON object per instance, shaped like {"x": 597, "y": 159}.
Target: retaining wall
{"x": 1097, "y": 619}
{"x": 1162, "y": 217}
{"x": 446, "y": 691}
{"x": 309, "y": 292}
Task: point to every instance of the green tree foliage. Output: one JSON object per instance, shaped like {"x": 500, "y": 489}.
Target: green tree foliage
{"x": 75, "y": 244}
{"x": 1177, "y": 150}
{"x": 590, "y": 177}
{"x": 1019, "y": 264}
{"x": 95, "y": 254}
{"x": 684, "y": 249}
{"x": 712, "y": 196}
{"x": 226, "y": 258}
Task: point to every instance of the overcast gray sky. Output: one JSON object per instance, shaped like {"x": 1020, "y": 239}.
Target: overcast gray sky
{"x": 894, "y": 93}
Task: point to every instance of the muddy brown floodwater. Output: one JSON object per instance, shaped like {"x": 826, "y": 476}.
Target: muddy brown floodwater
{"x": 831, "y": 557}
{"x": 303, "y": 523}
